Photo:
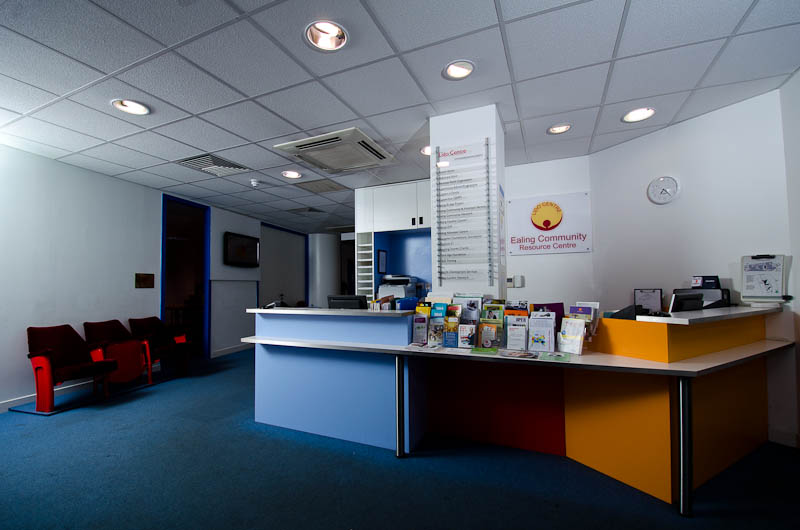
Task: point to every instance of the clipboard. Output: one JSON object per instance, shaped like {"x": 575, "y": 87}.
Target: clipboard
{"x": 650, "y": 299}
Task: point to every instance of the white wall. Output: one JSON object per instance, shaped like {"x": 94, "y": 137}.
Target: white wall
{"x": 283, "y": 266}
{"x": 71, "y": 242}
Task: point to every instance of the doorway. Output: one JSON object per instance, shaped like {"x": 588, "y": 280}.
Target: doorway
{"x": 185, "y": 263}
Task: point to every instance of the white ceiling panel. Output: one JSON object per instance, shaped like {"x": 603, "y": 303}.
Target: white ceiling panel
{"x": 54, "y": 72}
{"x": 515, "y": 146}
{"x": 250, "y": 121}
{"x": 75, "y": 116}
{"x": 582, "y": 122}
{"x": 390, "y": 87}
{"x": 399, "y": 173}
{"x": 502, "y": 96}
{"x": 519, "y": 8}
{"x": 200, "y": 134}
{"x": 768, "y": 13}
{"x": 563, "y": 92}
{"x": 63, "y": 26}
{"x": 252, "y": 156}
{"x": 314, "y": 200}
{"x": 31, "y": 146}
{"x": 756, "y": 55}
{"x": 308, "y": 106}
{"x": 47, "y": 133}
{"x": 414, "y": 23}
{"x": 339, "y": 196}
{"x": 21, "y": 97}
{"x": 170, "y": 22}
{"x": 94, "y": 164}
{"x": 289, "y": 192}
{"x": 257, "y": 208}
{"x": 287, "y": 22}
{"x": 7, "y": 115}
{"x": 357, "y": 180}
{"x": 666, "y": 107}
{"x": 556, "y": 150}
{"x": 245, "y": 58}
{"x": 157, "y": 145}
{"x": 175, "y": 80}
{"x": 564, "y": 39}
{"x": 190, "y": 190}
{"x": 99, "y": 97}
{"x": 122, "y": 156}
{"x": 708, "y": 99}
{"x": 484, "y": 49}
{"x": 227, "y": 200}
{"x": 148, "y": 179}
{"x": 400, "y": 125}
{"x": 220, "y": 185}
{"x": 265, "y": 182}
{"x": 179, "y": 173}
{"x": 656, "y": 24}
{"x": 604, "y": 141}
{"x": 255, "y": 196}
{"x": 661, "y": 72}
{"x": 284, "y": 204}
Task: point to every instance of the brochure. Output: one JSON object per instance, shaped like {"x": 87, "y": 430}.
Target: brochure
{"x": 466, "y": 335}
{"x": 438, "y": 310}
{"x": 470, "y": 307}
{"x": 570, "y": 340}
{"x": 450, "y": 339}
{"x": 420, "y": 334}
{"x": 435, "y": 331}
{"x": 541, "y": 331}
{"x": 516, "y": 332}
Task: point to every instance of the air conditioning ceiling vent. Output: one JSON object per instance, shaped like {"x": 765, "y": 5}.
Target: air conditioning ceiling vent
{"x": 214, "y": 165}
{"x": 338, "y": 151}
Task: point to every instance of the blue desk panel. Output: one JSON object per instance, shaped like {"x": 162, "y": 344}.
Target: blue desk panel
{"x": 374, "y": 330}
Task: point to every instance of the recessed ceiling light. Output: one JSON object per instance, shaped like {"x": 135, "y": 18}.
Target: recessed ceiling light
{"x": 426, "y": 150}
{"x": 638, "y": 114}
{"x": 561, "y": 128}
{"x": 326, "y": 35}
{"x": 291, "y": 174}
{"x": 443, "y": 163}
{"x": 130, "y": 106}
{"x": 458, "y": 70}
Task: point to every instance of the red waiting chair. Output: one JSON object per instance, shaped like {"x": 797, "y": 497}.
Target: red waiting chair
{"x": 163, "y": 344}
{"x": 117, "y": 343}
{"x": 59, "y": 354}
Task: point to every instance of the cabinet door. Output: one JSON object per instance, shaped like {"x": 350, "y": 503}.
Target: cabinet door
{"x": 364, "y": 207}
{"x": 395, "y": 207}
{"x": 423, "y": 203}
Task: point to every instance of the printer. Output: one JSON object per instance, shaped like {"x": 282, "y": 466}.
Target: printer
{"x": 399, "y": 286}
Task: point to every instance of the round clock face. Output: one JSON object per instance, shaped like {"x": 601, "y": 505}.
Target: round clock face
{"x": 662, "y": 190}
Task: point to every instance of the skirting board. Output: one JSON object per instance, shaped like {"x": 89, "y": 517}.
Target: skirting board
{"x": 229, "y": 350}
{"x": 15, "y": 402}
{"x": 790, "y": 439}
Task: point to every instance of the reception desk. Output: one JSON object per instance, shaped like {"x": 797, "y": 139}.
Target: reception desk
{"x": 661, "y": 405}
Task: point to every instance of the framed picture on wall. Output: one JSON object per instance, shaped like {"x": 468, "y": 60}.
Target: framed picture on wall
{"x": 381, "y": 262}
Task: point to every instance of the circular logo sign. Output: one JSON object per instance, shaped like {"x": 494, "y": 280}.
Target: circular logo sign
{"x": 547, "y": 215}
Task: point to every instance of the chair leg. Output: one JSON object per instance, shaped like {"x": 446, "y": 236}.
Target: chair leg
{"x": 43, "y": 377}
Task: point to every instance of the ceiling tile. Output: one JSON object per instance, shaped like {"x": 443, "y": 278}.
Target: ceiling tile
{"x": 63, "y": 26}
{"x": 200, "y": 134}
{"x": 515, "y": 145}
{"x": 245, "y": 58}
{"x": 564, "y": 39}
{"x": 122, "y": 156}
{"x": 755, "y": 55}
{"x": 708, "y": 99}
{"x": 287, "y": 22}
{"x": 94, "y": 164}
{"x": 308, "y": 175}
{"x": 399, "y": 173}
{"x": 256, "y": 196}
{"x": 220, "y": 185}
{"x": 250, "y": 121}
{"x": 289, "y": 192}
{"x": 661, "y": 72}
{"x": 502, "y": 96}
{"x": 170, "y": 22}
{"x": 519, "y": 8}
{"x": 414, "y": 23}
{"x": 252, "y": 156}
{"x": 190, "y": 190}
{"x": 484, "y": 49}
{"x": 54, "y": 72}
{"x": 47, "y": 133}
{"x": 308, "y": 106}
{"x": 99, "y": 97}
{"x": 21, "y": 97}
{"x": 178, "y": 172}
{"x": 556, "y": 150}
{"x": 284, "y": 204}
{"x": 227, "y": 200}
{"x": 74, "y": 116}
{"x": 655, "y": 24}
{"x": 157, "y": 145}
{"x": 378, "y": 87}
{"x": 582, "y": 122}
{"x": 258, "y": 208}
{"x": 313, "y": 200}
{"x": 357, "y": 180}
{"x": 563, "y": 92}
{"x": 175, "y": 80}
{"x": 266, "y": 183}
{"x": 604, "y": 141}
{"x": 7, "y": 115}
{"x": 339, "y": 196}
{"x": 666, "y": 107}
{"x": 148, "y": 179}
{"x": 400, "y": 125}
{"x": 768, "y": 13}
{"x": 31, "y": 146}
{"x": 249, "y": 5}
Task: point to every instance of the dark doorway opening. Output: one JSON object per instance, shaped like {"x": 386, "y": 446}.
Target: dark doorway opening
{"x": 185, "y": 269}
{"x": 347, "y": 266}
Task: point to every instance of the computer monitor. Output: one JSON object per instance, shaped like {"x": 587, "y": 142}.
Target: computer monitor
{"x": 686, "y": 302}
{"x": 347, "y": 302}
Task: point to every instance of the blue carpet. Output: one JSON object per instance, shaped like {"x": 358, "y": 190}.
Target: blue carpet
{"x": 187, "y": 454}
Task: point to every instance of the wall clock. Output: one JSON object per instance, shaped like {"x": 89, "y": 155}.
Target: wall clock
{"x": 663, "y": 190}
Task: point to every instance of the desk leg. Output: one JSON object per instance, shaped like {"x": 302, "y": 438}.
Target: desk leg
{"x": 685, "y": 448}
{"x": 399, "y": 388}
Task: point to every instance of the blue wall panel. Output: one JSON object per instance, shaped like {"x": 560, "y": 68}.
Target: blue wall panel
{"x": 408, "y": 252}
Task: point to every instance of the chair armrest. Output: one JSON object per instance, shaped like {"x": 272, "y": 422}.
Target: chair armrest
{"x": 99, "y": 345}
{"x": 180, "y": 339}
{"x": 97, "y": 354}
{"x": 47, "y": 352}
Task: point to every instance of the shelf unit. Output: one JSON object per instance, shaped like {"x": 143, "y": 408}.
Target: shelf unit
{"x": 365, "y": 269}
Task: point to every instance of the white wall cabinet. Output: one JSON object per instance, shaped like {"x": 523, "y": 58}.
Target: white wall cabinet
{"x": 403, "y": 206}
{"x": 423, "y": 203}
{"x": 364, "y": 208}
